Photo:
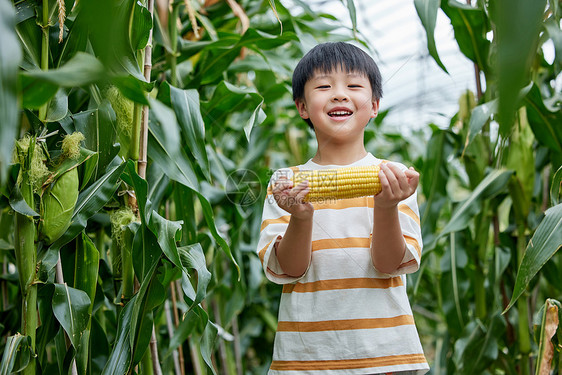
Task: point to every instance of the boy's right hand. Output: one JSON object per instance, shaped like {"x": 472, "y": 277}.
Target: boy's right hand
{"x": 291, "y": 198}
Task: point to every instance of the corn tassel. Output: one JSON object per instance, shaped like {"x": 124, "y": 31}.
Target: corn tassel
{"x": 341, "y": 183}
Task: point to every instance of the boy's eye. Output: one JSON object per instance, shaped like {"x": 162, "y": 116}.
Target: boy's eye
{"x": 355, "y": 86}
{"x": 323, "y": 87}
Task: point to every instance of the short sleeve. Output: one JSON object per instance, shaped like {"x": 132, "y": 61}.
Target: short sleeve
{"x": 409, "y": 217}
{"x": 274, "y": 224}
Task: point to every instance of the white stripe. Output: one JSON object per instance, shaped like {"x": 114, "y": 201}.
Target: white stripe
{"x": 337, "y": 345}
{"x": 344, "y": 304}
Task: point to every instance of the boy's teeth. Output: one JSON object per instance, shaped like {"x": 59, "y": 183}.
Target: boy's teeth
{"x": 340, "y": 113}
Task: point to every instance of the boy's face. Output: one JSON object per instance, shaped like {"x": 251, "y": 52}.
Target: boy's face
{"x": 339, "y": 104}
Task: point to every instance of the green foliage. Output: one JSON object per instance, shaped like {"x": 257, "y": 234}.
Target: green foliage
{"x": 220, "y": 119}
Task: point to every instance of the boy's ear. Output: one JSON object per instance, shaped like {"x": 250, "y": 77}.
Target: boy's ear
{"x": 301, "y": 107}
{"x": 375, "y": 109}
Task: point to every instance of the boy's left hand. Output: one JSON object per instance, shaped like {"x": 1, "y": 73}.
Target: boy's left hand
{"x": 397, "y": 185}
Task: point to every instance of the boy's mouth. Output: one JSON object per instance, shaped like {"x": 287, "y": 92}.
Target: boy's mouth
{"x": 340, "y": 113}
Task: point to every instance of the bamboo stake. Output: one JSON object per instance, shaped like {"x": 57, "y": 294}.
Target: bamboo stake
{"x": 144, "y": 124}
{"x": 222, "y": 349}
{"x": 170, "y": 327}
{"x": 176, "y": 324}
{"x": 237, "y": 350}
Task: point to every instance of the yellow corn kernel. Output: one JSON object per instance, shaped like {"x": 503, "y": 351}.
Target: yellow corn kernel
{"x": 341, "y": 183}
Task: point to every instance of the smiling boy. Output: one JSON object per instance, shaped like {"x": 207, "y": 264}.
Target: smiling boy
{"x": 344, "y": 307}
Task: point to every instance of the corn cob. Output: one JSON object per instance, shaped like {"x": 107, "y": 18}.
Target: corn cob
{"x": 341, "y": 183}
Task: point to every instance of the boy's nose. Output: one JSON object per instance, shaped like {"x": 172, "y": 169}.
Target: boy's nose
{"x": 339, "y": 97}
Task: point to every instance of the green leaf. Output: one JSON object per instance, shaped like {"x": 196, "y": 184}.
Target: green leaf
{"x": 10, "y": 57}
{"x": 19, "y": 205}
{"x": 544, "y": 121}
{"x": 142, "y": 21}
{"x": 478, "y": 118}
{"x": 479, "y": 347}
{"x": 227, "y": 99}
{"x": 545, "y": 242}
{"x": 168, "y": 233}
{"x": 58, "y": 107}
{"x": 470, "y": 26}
{"x": 427, "y": 12}
{"x": 352, "y": 14}
{"x": 164, "y": 143}
{"x": 109, "y": 20}
{"x": 86, "y": 267}
{"x": 17, "y": 352}
{"x": 517, "y": 33}
{"x": 68, "y": 164}
{"x": 185, "y": 104}
{"x": 434, "y": 177}
{"x": 192, "y": 256}
{"x": 29, "y": 34}
{"x": 556, "y": 188}
{"x": 141, "y": 189}
{"x": 119, "y": 360}
{"x": 209, "y": 218}
{"x": 493, "y": 183}
{"x": 70, "y": 307}
{"x": 83, "y": 69}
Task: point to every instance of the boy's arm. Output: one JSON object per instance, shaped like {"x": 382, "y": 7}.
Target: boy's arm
{"x": 388, "y": 246}
{"x": 295, "y": 248}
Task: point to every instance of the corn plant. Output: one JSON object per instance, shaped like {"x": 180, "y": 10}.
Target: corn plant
{"x": 132, "y": 252}
{"x": 492, "y": 217}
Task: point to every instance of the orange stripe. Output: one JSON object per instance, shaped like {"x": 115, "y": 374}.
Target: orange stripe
{"x": 341, "y": 243}
{"x": 408, "y": 211}
{"x": 345, "y": 325}
{"x": 348, "y": 364}
{"x": 337, "y": 284}
{"x": 412, "y": 241}
{"x": 281, "y": 220}
{"x": 262, "y": 251}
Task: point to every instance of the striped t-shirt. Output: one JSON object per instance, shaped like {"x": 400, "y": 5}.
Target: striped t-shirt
{"x": 343, "y": 316}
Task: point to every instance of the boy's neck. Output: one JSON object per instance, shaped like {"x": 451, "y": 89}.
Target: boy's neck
{"x": 342, "y": 154}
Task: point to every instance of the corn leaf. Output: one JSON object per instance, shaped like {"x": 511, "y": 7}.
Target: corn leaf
{"x": 39, "y": 86}
{"x": 470, "y": 26}
{"x": 10, "y": 57}
{"x": 70, "y": 307}
{"x": 545, "y": 121}
{"x": 517, "y": 34}
{"x": 228, "y": 98}
{"x": 492, "y": 184}
{"x": 185, "y": 104}
{"x": 192, "y": 256}
{"x": 164, "y": 142}
{"x": 119, "y": 360}
{"x": 17, "y": 353}
{"x": 478, "y": 118}
{"x": 427, "y": 11}
{"x": 545, "y": 242}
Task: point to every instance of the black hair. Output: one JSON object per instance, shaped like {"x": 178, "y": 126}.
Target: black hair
{"x": 327, "y": 57}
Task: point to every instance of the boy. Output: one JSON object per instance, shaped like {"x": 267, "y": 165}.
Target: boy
{"x": 344, "y": 308}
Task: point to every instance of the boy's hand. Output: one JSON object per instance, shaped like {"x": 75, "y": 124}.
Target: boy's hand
{"x": 291, "y": 198}
{"x": 397, "y": 185}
